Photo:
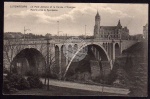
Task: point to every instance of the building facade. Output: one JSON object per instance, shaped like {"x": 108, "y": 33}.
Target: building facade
{"x": 109, "y": 32}
{"x": 136, "y": 37}
{"x": 145, "y": 31}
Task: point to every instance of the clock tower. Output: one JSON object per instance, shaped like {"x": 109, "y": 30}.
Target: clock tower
{"x": 97, "y": 25}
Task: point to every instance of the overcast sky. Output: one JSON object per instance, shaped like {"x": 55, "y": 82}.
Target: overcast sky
{"x": 73, "y": 17}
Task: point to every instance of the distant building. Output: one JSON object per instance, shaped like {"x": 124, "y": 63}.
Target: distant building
{"x": 109, "y": 32}
{"x": 136, "y": 37}
{"x": 48, "y": 35}
{"x": 145, "y": 31}
{"x": 13, "y": 35}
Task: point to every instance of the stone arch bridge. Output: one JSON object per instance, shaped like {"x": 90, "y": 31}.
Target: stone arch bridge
{"x": 36, "y": 53}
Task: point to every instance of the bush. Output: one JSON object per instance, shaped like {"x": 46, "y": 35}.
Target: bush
{"x": 34, "y": 82}
{"x": 18, "y": 82}
{"x": 23, "y": 84}
{"x": 6, "y": 87}
{"x": 29, "y": 73}
{"x": 5, "y": 70}
{"x": 14, "y": 82}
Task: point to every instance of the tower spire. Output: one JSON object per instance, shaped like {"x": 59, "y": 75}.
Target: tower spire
{"x": 97, "y": 15}
{"x": 97, "y": 25}
{"x": 119, "y": 24}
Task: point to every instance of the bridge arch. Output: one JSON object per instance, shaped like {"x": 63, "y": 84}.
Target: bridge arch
{"x": 117, "y": 50}
{"x": 28, "y": 60}
{"x": 63, "y": 58}
{"x": 75, "y": 47}
{"x": 117, "y": 44}
{"x": 104, "y": 54}
{"x": 57, "y": 61}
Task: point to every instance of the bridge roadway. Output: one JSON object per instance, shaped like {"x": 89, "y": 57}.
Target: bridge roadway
{"x": 88, "y": 87}
{"x": 56, "y": 41}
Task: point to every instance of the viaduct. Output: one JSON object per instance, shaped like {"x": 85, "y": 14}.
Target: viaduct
{"x": 35, "y": 54}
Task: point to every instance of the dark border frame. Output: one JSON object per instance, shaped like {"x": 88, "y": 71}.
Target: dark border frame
{"x": 66, "y": 1}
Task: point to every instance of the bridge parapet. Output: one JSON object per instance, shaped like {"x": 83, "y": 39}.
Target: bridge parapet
{"x": 61, "y": 41}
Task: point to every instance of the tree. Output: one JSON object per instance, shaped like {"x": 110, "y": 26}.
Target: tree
{"x": 10, "y": 49}
{"x": 50, "y": 62}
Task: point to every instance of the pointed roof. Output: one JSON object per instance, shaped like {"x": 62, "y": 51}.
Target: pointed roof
{"x": 97, "y": 15}
{"x": 119, "y": 24}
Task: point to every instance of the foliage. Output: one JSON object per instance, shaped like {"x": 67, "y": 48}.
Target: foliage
{"x": 29, "y": 73}
{"x": 113, "y": 75}
{"x": 52, "y": 76}
{"x": 5, "y": 70}
{"x": 34, "y": 82}
{"x": 18, "y": 82}
{"x": 14, "y": 82}
{"x": 14, "y": 70}
{"x": 138, "y": 78}
{"x": 122, "y": 78}
{"x": 6, "y": 87}
{"x": 136, "y": 68}
{"x": 24, "y": 84}
{"x": 118, "y": 76}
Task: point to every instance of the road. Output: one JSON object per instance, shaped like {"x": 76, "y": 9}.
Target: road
{"x": 87, "y": 87}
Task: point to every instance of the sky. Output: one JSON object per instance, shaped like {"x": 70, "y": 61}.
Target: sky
{"x": 42, "y": 18}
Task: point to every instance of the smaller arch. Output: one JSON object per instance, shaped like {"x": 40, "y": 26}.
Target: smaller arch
{"x": 106, "y": 46}
{"x": 56, "y": 68}
{"x": 103, "y": 44}
{"x": 117, "y": 50}
{"x": 117, "y": 44}
{"x": 57, "y": 47}
{"x": 108, "y": 49}
{"x": 75, "y": 48}
{"x": 70, "y": 51}
{"x": 63, "y": 57}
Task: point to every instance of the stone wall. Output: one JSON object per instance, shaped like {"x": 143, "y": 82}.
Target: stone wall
{"x": 95, "y": 69}
{"x": 106, "y": 68}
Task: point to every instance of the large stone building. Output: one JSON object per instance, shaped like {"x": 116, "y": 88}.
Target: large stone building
{"x": 145, "y": 31}
{"x": 109, "y": 32}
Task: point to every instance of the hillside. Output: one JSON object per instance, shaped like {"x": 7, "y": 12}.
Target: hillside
{"x": 132, "y": 68}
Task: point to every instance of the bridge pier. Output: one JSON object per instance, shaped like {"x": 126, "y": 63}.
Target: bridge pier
{"x": 56, "y": 69}
{"x": 101, "y": 68}
{"x": 60, "y": 63}
{"x": 106, "y": 68}
{"x": 95, "y": 69}
{"x": 112, "y": 51}
{"x": 120, "y": 47}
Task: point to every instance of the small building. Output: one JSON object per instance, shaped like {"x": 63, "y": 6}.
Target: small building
{"x": 145, "y": 31}
{"x": 136, "y": 37}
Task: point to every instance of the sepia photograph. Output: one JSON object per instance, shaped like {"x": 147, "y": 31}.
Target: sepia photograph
{"x": 75, "y": 49}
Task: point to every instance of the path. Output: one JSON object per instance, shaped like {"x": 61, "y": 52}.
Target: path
{"x": 87, "y": 87}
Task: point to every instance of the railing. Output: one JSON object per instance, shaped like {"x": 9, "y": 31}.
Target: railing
{"x": 56, "y": 41}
